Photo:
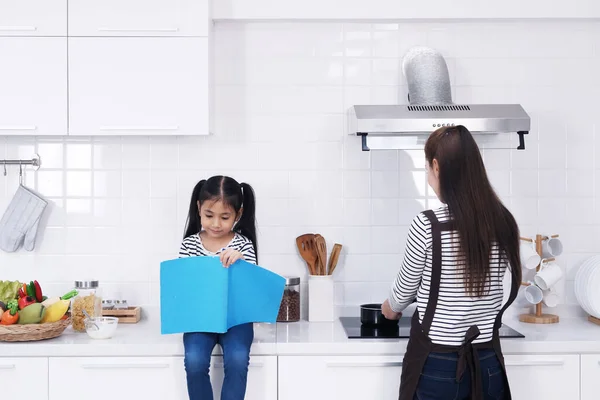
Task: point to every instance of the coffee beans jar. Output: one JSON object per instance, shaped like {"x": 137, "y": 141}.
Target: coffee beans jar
{"x": 289, "y": 310}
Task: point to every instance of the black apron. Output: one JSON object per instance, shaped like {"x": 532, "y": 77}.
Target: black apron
{"x": 419, "y": 344}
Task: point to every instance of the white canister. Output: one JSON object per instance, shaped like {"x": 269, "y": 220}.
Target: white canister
{"x": 320, "y": 298}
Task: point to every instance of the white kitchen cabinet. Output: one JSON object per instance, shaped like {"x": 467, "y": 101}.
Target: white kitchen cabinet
{"x": 543, "y": 376}
{"x": 24, "y": 378}
{"x": 262, "y": 378}
{"x": 138, "y": 86}
{"x": 33, "y": 86}
{"x": 33, "y": 17}
{"x": 138, "y": 17}
{"x": 118, "y": 378}
{"x": 590, "y": 376}
{"x": 339, "y": 377}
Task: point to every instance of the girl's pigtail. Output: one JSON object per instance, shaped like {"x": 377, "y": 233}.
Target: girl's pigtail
{"x": 193, "y": 224}
{"x": 247, "y": 224}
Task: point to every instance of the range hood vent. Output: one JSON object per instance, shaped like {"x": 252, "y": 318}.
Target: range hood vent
{"x": 500, "y": 126}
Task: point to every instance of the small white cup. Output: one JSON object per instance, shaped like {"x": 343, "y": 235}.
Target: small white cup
{"x": 530, "y": 259}
{"x": 549, "y": 274}
{"x": 551, "y": 298}
{"x": 552, "y": 247}
{"x": 533, "y": 293}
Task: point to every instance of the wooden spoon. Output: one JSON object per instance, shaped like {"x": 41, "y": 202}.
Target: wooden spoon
{"x": 333, "y": 258}
{"x": 321, "y": 246}
{"x": 308, "y": 251}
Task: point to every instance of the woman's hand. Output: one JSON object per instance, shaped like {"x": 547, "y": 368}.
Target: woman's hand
{"x": 387, "y": 311}
{"x": 229, "y": 256}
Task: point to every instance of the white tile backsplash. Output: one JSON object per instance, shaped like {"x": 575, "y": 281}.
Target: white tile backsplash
{"x": 118, "y": 205}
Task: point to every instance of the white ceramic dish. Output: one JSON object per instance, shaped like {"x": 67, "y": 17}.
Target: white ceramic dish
{"x": 101, "y": 327}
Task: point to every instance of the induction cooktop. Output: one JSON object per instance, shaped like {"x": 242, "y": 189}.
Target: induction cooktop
{"x": 355, "y": 330}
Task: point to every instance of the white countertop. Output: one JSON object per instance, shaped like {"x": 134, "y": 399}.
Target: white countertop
{"x": 570, "y": 335}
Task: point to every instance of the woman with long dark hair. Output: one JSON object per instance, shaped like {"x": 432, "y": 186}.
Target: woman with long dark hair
{"x": 454, "y": 265}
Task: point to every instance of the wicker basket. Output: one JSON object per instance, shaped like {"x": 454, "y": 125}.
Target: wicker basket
{"x": 32, "y": 332}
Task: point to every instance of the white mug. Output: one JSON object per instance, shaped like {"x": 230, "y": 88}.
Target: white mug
{"x": 530, "y": 259}
{"x": 551, "y": 298}
{"x": 552, "y": 247}
{"x": 533, "y": 293}
{"x": 549, "y": 274}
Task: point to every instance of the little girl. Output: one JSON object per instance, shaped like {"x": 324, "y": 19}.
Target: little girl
{"x": 221, "y": 222}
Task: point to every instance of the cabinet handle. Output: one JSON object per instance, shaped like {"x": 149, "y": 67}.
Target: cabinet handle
{"x": 549, "y": 363}
{"x": 18, "y": 28}
{"x": 18, "y": 128}
{"x": 125, "y": 366}
{"x": 364, "y": 364}
{"x": 138, "y": 30}
{"x": 252, "y": 365}
{"x": 139, "y": 128}
{"x": 7, "y": 366}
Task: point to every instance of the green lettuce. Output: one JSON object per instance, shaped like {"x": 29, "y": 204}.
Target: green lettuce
{"x": 9, "y": 290}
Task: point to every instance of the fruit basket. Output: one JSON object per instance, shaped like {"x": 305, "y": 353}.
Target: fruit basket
{"x": 33, "y": 332}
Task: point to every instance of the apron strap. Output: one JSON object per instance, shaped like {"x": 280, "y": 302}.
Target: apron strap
{"x": 514, "y": 290}
{"x": 436, "y": 271}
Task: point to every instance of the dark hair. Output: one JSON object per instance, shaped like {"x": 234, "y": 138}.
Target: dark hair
{"x": 230, "y": 192}
{"x": 478, "y": 214}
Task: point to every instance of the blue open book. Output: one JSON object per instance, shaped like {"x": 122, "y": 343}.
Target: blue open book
{"x": 197, "y": 294}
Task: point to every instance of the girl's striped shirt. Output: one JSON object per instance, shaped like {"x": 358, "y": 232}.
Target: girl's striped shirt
{"x": 192, "y": 246}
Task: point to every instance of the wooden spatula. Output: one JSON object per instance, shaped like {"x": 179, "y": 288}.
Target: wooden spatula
{"x": 333, "y": 258}
{"x": 321, "y": 246}
{"x": 308, "y": 251}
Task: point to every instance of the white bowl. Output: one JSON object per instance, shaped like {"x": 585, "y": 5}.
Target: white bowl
{"x": 104, "y": 327}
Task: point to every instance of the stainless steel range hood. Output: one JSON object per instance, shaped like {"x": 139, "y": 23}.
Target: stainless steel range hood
{"x": 408, "y": 126}
{"x": 430, "y": 107}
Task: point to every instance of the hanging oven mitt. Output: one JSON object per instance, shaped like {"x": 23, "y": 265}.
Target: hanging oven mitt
{"x": 19, "y": 224}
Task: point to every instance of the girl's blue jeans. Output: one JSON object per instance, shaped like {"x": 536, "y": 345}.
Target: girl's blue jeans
{"x": 236, "y": 343}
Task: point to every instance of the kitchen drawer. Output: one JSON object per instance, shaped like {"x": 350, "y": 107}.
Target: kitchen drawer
{"x": 24, "y": 377}
{"x": 262, "y": 378}
{"x": 138, "y": 17}
{"x": 339, "y": 377}
{"x": 543, "y": 376}
{"x": 118, "y": 378}
{"x": 33, "y": 17}
{"x": 33, "y": 86}
{"x": 590, "y": 376}
{"x": 138, "y": 86}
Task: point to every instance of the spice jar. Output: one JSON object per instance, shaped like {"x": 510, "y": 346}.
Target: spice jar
{"x": 89, "y": 299}
{"x": 289, "y": 310}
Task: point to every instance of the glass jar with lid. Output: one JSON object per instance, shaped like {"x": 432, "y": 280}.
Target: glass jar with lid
{"x": 89, "y": 298}
{"x": 289, "y": 310}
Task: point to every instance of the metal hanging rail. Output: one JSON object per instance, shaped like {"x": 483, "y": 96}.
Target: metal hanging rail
{"x": 35, "y": 162}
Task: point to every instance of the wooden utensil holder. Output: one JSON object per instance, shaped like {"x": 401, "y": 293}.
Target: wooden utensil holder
{"x": 538, "y": 317}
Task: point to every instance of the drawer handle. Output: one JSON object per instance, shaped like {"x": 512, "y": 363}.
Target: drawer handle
{"x": 252, "y": 365}
{"x": 18, "y": 128}
{"x": 550, "y": 363}
{"x": 365, "y": 364}
{"x": 18, "y": 28}
{"x": 7, "y": 366}
{"x": 125, "y": 366}
{"x": 139, "y": 128}
{"x": 138, "y": 30}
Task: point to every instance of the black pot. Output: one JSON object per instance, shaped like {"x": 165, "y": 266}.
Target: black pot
{"x": 370, "y": 314}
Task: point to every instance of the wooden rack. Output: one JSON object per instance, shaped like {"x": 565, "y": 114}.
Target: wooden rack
{"x": 539, "y": 317}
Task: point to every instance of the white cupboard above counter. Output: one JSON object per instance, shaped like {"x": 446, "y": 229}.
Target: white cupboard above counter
{"x": 33, "y": 17}
{"x": 138, "y": 86}
{"x": 138, "y": 18}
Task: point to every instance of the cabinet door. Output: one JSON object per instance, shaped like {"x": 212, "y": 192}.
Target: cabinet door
{"x": 23, "y": 377}
{"x": 118, "y": 378}
{"x": 543, "y": 376}
{"x": 590, "y": 376}
{"x": 138, "y": 86}
{"x": 33, "y": 86}
{"x": 138, "y": 17}
{"x": 33, "y": 18}
{"x": 262, "y": 378}
{"x": 339, "y": 377}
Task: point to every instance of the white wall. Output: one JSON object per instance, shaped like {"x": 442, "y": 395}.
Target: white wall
{"x": 281, "y": 90}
